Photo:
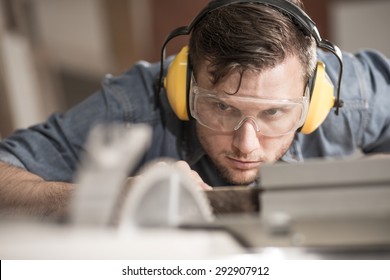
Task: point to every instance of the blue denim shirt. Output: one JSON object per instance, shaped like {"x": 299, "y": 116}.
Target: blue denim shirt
{"x": 52, "y": 149}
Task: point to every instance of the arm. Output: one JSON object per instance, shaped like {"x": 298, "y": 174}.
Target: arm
{"x": 51, "y": 150}
{"x": 27, "y": 193}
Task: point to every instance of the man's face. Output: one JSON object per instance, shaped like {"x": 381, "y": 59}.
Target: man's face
{"x": 239, "y": 154}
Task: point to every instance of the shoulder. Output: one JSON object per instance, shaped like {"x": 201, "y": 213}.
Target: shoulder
{"x": 134, "y": 91}
{"x": 141, "y": 75}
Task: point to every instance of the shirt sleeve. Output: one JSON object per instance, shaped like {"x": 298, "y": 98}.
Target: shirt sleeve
{"x": 10, "y": 159}
{"x": 51, "y": 149}
{"x": 374, "y": 71}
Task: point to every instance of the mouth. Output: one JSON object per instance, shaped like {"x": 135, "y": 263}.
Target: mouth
{"x": 243, "y": 164}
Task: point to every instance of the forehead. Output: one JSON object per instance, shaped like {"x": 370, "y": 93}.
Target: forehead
{"x": 284, "y": 81}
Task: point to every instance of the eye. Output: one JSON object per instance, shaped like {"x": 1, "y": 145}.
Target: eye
{"x": 271, "y": 112}
{"x": 222, "y": 106}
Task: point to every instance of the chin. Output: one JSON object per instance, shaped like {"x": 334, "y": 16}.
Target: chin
{"x": 241, "y": 178}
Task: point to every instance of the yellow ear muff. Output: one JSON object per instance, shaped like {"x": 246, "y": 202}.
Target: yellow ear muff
{"x": 175, "y": 84}
{"x": 321, "y": 101}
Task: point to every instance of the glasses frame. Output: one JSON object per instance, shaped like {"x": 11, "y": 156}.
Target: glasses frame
{"x": 195, "y": 91}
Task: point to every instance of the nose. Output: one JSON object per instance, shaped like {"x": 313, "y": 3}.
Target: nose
{"x": 246, "y": 119}
{"x": 245, "y": 137}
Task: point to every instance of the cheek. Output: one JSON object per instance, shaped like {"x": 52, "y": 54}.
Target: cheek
{"x": 213, "y": 142}
{"x": 275, "y": 148}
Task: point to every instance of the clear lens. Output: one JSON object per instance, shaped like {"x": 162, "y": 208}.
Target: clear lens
{"x": 228, "y": 113}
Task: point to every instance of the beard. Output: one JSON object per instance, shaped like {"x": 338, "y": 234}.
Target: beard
{"x": 238, "y": 177}
{"x": 234, "y": 179}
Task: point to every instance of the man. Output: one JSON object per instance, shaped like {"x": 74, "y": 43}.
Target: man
{"x": 248, "y": 97}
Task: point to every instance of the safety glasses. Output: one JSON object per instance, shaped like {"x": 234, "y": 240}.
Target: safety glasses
{"x": 227, "y": 113}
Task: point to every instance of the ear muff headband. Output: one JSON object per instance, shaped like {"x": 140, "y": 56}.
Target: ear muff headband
{"x": 177, "y": 80}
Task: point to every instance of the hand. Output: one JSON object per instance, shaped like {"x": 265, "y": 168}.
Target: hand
{"x": 193, "y": 174}
{"x": 182, "y": 165}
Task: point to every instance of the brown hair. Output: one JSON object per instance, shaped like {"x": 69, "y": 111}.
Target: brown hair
{"x": 249, "y": 36}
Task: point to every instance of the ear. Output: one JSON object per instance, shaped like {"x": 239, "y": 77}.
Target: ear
{"x": 321, "y": 100}
{"x": 176, "y": 84}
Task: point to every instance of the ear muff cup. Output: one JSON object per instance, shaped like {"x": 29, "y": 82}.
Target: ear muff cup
{"x": 176, "y": 84}
{"x": 322, "y": 100}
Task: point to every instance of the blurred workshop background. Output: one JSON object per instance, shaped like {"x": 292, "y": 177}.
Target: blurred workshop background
{"x": 54, "y": 53}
